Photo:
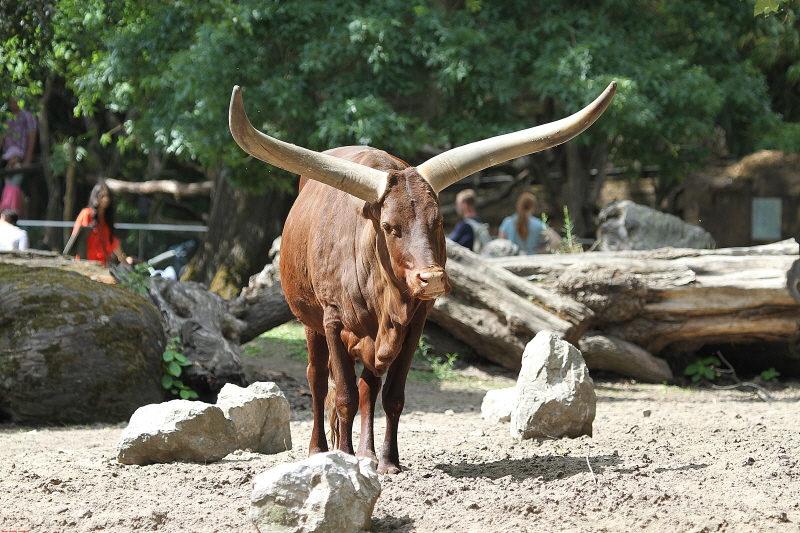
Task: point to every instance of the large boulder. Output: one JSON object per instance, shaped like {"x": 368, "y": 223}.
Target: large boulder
{"x": 329, "y": 492}
{"x": 73, "y": 350}
{"x": 555, "y": 395}
{"x": 626, "y": 225}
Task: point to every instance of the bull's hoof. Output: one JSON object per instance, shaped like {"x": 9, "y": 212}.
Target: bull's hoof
{"x": 313, "y": 450}
{"x": 389, "y": 468}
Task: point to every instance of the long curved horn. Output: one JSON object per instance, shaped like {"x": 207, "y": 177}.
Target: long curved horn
{"x": 452, "y": 165}
{"x": 359, "y": 180}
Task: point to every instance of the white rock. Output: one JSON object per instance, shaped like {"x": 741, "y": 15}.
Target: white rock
{"x": 555, "y": 394}
{"x": 498, "y": 403}
{"x": 327, "y": 493}
{"x": 178, "y": 430}
{"x": 260, "y": 415}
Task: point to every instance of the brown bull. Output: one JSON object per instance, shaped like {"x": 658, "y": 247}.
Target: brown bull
{"x": 363, "y": 256}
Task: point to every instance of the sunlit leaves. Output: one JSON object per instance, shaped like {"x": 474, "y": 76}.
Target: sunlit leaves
{"x": 399, "y": 74}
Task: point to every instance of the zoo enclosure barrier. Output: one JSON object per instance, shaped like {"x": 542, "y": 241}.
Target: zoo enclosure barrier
{"x": 144, "y": 250}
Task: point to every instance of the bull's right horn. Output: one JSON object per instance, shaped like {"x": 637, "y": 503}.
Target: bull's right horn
{"x": 452, "y": 165}
{"x": 359, "y": 180}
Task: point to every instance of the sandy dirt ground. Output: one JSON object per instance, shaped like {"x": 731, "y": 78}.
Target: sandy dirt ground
{"x": 702, "y": 461}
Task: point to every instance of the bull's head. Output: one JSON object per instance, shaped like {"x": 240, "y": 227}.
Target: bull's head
{"x": 403, "y": 205}
{"x": 409, "y": 235}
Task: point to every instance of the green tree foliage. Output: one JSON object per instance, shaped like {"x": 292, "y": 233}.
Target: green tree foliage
{"x": 399, "y": 75}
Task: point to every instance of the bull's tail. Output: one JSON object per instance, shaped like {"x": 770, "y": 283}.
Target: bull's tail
{"x": 333, "y": 414}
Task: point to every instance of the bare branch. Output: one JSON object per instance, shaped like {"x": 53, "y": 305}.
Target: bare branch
{"x": 176, "y": 188}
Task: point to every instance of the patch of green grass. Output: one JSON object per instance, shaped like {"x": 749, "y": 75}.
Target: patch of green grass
{"x": 288, "y": 339}
{"x": 292, "y": 332}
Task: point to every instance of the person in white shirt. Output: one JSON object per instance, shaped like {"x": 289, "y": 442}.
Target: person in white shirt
{"x": 11, "y": 237}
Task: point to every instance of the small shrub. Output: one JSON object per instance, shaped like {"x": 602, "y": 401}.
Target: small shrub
{"x": 703, "y": 368}
{"x": 172, "y": 364}
{"x": 137, "y": 279}
{"x": 441, "y": 369}
{"x": 770, "y": 374}
{"x": 569, "y": 244}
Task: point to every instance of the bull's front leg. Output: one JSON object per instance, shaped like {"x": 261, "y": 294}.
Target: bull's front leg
{"x": 342, "y": 368}
{"x": 317, "y": 373}
{"x": 369, "y": 387}
{"x": 394, "y": 393}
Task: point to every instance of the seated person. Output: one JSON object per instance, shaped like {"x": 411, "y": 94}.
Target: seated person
{"x": 11, "y": 236}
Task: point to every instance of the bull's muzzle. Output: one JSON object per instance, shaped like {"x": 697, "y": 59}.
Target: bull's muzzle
{"x": 430, "y": 283}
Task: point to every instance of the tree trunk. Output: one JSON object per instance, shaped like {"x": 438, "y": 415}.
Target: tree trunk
{"x": 69, "y": 193}
{"x": 577, "y": 187}
{"x": 241, "y": 229}
{"x": 53, "y": 237}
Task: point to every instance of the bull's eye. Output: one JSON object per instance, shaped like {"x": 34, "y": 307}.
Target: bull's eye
{"x": 393, "y": 230}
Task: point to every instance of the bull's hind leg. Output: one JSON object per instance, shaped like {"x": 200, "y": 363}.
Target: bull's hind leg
{"x": 368, "y": 388}
{"x": 342, "y": 367}
{"x": 317, "y": 373}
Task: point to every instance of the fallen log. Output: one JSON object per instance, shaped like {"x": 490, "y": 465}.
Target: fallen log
{"x": 612, "y": 354}
{"x": 691, "y": 297}
{"x": 563, "y": 307}
{"x": 497, "y": 313}
{"x": 177, "y": 189}
{"x": 261, "y": 306}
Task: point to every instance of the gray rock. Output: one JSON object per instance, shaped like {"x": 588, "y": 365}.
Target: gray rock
{"x": 178, "y": 430}
{"x": 74, "y": 350}
{"x": 260, "y": 415}
{"x": 625, "y": 225}
{"x": 498, "y": 403}
{"x": 327, "y": 493}
{"x": 499, "y": 248}
{"x": 555, "y": 394}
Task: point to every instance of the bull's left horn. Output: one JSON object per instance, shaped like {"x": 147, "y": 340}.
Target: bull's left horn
{"x": 452, "y": 165}
{"x": 359, "y": 180}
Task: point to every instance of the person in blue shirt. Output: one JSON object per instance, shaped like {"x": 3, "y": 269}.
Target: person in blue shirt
{"x": 526, "y": 230}
{"x": 463, "y": 232}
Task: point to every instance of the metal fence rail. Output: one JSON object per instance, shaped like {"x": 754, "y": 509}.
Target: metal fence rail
{"x": 143, "y": 228}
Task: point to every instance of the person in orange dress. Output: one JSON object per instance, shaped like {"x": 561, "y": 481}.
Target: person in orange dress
{"x": 102, "y": 244}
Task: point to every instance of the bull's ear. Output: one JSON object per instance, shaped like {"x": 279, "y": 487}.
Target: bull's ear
{"x": 371, "y": 211}
{"x": 452, "y": 165}
{"x": 359, "y": 180}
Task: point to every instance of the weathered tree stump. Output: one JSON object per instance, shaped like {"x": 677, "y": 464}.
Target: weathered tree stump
{"x": 207, "y": 333}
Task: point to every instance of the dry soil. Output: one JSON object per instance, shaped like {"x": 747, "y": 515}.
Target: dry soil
{"x": 702, "y": 461}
